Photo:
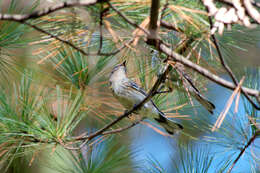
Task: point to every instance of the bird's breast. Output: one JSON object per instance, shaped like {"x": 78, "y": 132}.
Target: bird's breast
{"x": 127, "y": 96}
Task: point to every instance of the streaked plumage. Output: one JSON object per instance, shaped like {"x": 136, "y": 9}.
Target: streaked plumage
{"x": 128, "y": 93}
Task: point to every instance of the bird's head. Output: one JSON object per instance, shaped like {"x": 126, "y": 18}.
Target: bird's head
{"x": 118, "y": 73}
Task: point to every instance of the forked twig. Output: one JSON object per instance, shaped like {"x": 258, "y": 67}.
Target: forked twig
{"x": 251, "y": 140}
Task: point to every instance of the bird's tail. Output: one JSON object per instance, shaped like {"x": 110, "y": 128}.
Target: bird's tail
{"x": 170, "y": 126}
{"x": 204, "y": 102}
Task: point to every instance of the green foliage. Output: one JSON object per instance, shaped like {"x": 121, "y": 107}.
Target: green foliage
{"x": 193, "y": 159}
{"x": 12, "y": 37}
{"x": 105, "y": 156}
{"x": 77, "y": 69}
{"x": 12, "y": 33}
{"x": 31, "y": 117}
{"x": 36, "y": 113}
{"x": 154, "y": 166}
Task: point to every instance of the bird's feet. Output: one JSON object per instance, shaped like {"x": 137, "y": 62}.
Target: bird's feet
{"x": 129, "y": 116}
{"x": 164, "y": 92}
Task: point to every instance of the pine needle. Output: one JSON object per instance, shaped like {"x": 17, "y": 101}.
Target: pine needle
{"x": 154, "y": 128}
{"x": 228, "y": 105}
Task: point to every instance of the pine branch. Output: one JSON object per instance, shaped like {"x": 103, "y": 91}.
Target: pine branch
{"x": 206, "y": 73}
{"x": 177, "y": 57}
{"x": 251, "y": 140}
{"x": 99, "y": 53}
{"x": 226, "y": 67}
{"x": 22, "y": 18}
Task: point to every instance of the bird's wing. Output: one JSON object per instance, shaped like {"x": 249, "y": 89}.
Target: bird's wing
{"x": 187, "y": 82}
{"x": 134, "y": 86}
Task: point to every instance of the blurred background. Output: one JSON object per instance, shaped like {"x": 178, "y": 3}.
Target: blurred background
{"x": 51, "y": 92}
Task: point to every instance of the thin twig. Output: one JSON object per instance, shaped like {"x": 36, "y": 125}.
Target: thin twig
{"x": 226, "y": 67}
{"x": 243, "y": 150}
{"x": 84, "y": 136}
{"x": 170, "y": 26}
{"x": 55, "y": 37}
{"x": 74, "y": 46}
{"x": 123, "y": 128}
{"x": 166, "y": 24}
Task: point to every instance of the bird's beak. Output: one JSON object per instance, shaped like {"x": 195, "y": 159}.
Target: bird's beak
{"x": 124, "y": 63}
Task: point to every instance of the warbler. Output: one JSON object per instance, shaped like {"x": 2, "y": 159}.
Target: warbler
{"x": 189, "y": 85}
{"x": 128, "y": 93}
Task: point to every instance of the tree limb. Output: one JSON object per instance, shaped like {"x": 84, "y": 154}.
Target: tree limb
{"x": 154, "y": 15}
{"x": 179, "y": 58}
{"x": 46, "y": 11}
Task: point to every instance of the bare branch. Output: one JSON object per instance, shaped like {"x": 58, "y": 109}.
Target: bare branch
{"x": 237, "y": 12}
{"x": 46, "y": 11}
{"x": 179, "y": 58}
{"x": 256, "y": 4}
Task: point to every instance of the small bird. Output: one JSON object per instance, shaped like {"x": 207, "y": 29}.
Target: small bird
{"x": 128, "y": 93}
{"x": 189, "y": 85}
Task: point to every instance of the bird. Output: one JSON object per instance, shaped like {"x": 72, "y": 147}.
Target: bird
{"x": 129, "y": 94}
{"x": 189, "y": 85}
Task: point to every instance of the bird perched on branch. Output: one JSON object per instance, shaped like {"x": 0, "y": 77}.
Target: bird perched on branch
{"x": 128, "y": 93}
